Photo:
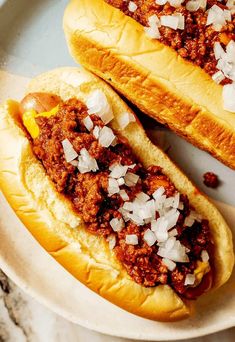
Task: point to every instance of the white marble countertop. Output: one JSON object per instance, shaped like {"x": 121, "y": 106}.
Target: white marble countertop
{"x": 22, "y": 319}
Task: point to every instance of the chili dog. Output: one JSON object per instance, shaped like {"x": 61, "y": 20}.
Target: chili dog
{"x": 175, "y": 60}
{"x": 105, "y": 202}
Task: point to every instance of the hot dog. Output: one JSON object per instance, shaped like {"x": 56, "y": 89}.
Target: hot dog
{"x": 168, "y": 58}
{"x": 105, "y": 202}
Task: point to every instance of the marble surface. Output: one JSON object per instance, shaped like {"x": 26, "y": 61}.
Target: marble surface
{"x": 22, "y": 319}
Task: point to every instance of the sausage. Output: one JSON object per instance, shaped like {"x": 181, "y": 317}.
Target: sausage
{"x": 40, "y": 102}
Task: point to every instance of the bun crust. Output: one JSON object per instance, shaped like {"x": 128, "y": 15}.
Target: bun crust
{"x": 151, "y": 75}
{"x": 51, "y": 220}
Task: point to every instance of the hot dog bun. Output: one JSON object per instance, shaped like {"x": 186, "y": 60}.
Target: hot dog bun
{"x": 151, "y": 75}
{"x": 51, "y": 219}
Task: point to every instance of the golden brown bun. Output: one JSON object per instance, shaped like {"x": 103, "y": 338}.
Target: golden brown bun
{"x": 50, "y": 218}
{"x": 151, "y": 75}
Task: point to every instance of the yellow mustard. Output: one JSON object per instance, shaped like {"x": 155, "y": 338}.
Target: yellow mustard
{"x": 30, "y": 122}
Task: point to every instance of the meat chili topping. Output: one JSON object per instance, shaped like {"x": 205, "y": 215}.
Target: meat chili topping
{"x": 199, "y": 30}
{"x": 152, "y": 229}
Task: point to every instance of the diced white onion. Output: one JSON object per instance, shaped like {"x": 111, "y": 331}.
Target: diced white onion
{"x": 193, "y": 6}
{"x": 128, "y": 206}
{"x": 149, "y": 237}
{"x": 174, "y": 255}
{"x": 132, "y": 239}
{"x": 189, "y": 221}
{"x": 112, "y": 241}
{"x": 96, "y": 132}
{"x": 125, "y": 119}
{"x": 170, "y": 21}
{"x": 205, "y": 256}
{"x": 218, "y": 50}
{"x": 152, "y": 32}
{"x": 88, "y": 123}
{"x": 117, "y": 224}
{"x": 159, "y": 192}
{"x": 172, "y": 249}
{"x": 136, "y": 219}
{"x": 161, "y": 2}
{"x": 113, "y": 187}
{"x": 142, "y": 197}
{"x": 74, "y": 163}
{"x": 132, "y": 6}
{"x": 189, "y": 279}
{"x": 218, "y": 77}
{"x": 173, "y": 232}
{"x": 69, "y": 152}
{"x": 131, "y": 179}
{"x": 121, "y": 181}
{"x": 176, "y": 3}
{"x": 181, "y": 23}
{"x": 217, "y": 17}
{"x": 86, "y": 163}
{"x": 124, "y": 195}
{"x": 106, "y": 136}
{"x": 229, "y": 97}
{"x": 176, "y": 200}
{"x": 119, "y": 171}
{"x": 153, "y": 20}
{"x": 171, "y": 265}
{"x": 98, "y": 104}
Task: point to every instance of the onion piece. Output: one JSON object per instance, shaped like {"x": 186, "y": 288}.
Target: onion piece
{"x": 152, "y": 32}
{"x": 86, "y": 163}
{"x": 189, "y": 279}
{"x": 158, "y": 193}
{"x": 121, "y": 181}
{"x": 160, "y": 2}
{"x": 218, "y": 77}
{"x": 96, "y": 132}
{"x": 69, "y": 152}
{"x": 176, "y": 3}
{"x": 149, "y": 237}
{"x": 128, "y": 206}
{"x": 170, "y": 21}
{"x": 174, "y": 255}
{"x": 112, "y": 241}
{"x": 205, "y": 256}
{"x": 142, "y": 197}
{"x": 106, "y": 136}
{"x": 136, "y": 219}
{"x": 117, "y": 224}
{"x": 124, "y": 195}
{"x": 131, "y": 179}
{"x": 74, "y": 163}
{"x": 173, "y": 232}
{"x": 125, "y": 119}
{"x": 181, "y": 23}
{"x": 153, "y": 21}
{"x": 132, "y": 7}
{"x": 171, "y": 265}
{"x": 218, "y": 50}
{"x": 131, "y": 239}
{"x": 98, "y": 104}
{"x": 118, "y": 171}
{"x": 193, "y": 6}
{"x": 113, "y": 187}
{"x": 88, "y": 123}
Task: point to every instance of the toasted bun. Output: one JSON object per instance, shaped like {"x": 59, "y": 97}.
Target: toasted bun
{"x": 151, "y": 75}
{"x": 50, "y": 218}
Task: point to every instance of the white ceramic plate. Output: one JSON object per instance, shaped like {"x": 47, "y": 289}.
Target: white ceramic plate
{"x": 31, "y": 41}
